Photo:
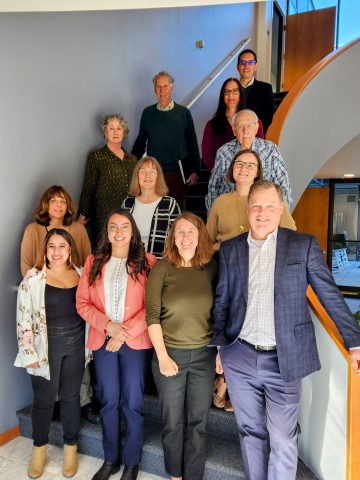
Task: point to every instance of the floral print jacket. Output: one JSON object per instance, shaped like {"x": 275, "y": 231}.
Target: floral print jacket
{"x": 31, "y": 323}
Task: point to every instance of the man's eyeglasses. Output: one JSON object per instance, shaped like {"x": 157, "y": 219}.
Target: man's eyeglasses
{"x": 247, "y": 62}
{"x": 247, "y": 165}
{"x": 234, "y": 91}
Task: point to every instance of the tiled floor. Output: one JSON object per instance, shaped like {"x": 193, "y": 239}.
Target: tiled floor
{"x": 349, "y": 276}
{"x": 15, "y": 455}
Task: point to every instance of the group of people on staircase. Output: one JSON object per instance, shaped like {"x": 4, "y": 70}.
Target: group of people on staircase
{"x": 153, "y": 283}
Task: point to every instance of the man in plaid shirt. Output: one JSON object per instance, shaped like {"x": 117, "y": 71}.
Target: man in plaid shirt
{"x": 245, "y": 126}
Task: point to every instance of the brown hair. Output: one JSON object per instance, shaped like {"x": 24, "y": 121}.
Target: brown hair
{"x": 41, "y": 212}
{"x": 229, "y": 174}
{"x": 72, "y": 261}
{"x": 161, "y": 188}
{"x": 204, "y": 251}
{"x": 266, "y": 185}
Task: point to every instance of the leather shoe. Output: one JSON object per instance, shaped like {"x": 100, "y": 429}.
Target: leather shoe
{"x": 89, "y": 412}
{"x": 106, "y": 470}
{"x": 130, "y": 473}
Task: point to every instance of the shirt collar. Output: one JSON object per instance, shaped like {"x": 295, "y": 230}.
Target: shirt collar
{"x": 249, "y": 84}
{"x": 258, "y": 243}
{"x": 169, "y": 106}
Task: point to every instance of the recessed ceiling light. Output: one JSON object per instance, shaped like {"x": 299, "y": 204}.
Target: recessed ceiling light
{"x": 349, "y": 175}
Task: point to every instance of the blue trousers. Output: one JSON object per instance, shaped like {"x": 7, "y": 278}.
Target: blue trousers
{"x": 266, "y": 410}
{"x": 121, "y": 380}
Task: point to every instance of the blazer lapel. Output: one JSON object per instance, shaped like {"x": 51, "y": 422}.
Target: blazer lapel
{"x": 242, "y": 249}
{"x": 282, "y": 251}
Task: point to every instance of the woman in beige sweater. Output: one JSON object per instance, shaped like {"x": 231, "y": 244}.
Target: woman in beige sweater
{"x": 56, "y": 209}
{"x": 228, "y": 214}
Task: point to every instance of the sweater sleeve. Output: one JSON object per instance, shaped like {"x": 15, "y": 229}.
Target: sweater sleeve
{"x": 193, "y": 159}
{"x": 286, "y": 219}
{"x": 153, "y": 295}
{"x": 27, "y": 257}
{"x": 140, "y": 142}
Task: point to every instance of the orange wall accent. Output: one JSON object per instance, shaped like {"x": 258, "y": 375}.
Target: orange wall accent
{"x": 311, "y": 214}
{"x": 9, "y": 435}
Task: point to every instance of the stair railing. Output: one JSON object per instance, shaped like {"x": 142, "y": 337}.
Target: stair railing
{"x": 218, "y": 70}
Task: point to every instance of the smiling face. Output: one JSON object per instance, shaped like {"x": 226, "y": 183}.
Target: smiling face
{"x": 247, "y": 70}
{"x": 119, "y": 233}
{"x": 147, "y": 177}
{"x": 57, "y": 251}
{"x": 57, "y": 208}
{"x": 163, "y": 90}
{"x": 245, "y": 169}
{"x": 114, "y": 132}
{"x": 231, "y": 94}
{"x": 186, "y": 238}
{"x": 245, "y": 128}
{"x": 264, "y": 211}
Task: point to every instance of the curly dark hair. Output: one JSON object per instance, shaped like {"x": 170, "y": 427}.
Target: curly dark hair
{"x": 136, "y": 262}
{"x": 219, "y": 120}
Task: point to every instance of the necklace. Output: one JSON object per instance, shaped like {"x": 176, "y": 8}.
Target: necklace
{"x": 241, "y": 227}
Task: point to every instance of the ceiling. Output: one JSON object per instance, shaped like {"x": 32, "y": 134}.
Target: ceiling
{"x": 346, "y": 160}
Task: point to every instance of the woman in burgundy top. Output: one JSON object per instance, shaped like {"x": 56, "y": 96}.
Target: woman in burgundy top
{"x": 218, "y": 130}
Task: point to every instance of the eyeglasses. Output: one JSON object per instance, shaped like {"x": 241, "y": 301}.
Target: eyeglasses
{"x": 234, "y": 91}
{"x": 245, "y": 126}
{"x": 247, "y": 165}
{"x": 150, "y": 171}
{"x": 247, "y": 62}
{"x": 119, "y": 228}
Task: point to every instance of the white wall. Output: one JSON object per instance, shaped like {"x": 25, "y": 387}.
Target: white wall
{"x": 60, "y": 72}
{"x": 323, "y": 411}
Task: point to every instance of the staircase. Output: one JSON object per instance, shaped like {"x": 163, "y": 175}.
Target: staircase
{"x": 223, "y": 451}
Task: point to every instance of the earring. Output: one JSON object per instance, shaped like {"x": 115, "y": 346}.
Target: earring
{"x": 70, "y": 261}
{"x": 44, "y": 259}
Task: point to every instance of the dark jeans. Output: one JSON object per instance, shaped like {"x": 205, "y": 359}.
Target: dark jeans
{"x": 185, "y": 400}
{"x": 66, "y": 361}
{"x": 121, "y": 379}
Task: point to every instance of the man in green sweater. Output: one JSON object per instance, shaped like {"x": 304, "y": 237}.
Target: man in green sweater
{"x": 167, "y": 133}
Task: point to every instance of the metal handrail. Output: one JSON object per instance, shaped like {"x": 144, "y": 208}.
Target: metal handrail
{"x": 219, "y": 69}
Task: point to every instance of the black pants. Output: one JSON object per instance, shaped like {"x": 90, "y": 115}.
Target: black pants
{"x": 66, "y": 361}
{"x": 185, "y": 401}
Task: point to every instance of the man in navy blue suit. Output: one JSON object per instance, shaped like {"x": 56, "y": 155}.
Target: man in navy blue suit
{"x": 265, "y": 333}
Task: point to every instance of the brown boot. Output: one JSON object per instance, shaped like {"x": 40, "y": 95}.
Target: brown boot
{"x": 70, "y": 461}
{"x": 38, "y": 458}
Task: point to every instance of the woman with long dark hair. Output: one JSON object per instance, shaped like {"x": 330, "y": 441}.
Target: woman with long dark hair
{"x": 219, "y": 130}
{"x": 179, "y": 299}
{"x": 110, "y": 298}
{"x": 51, "y": 338}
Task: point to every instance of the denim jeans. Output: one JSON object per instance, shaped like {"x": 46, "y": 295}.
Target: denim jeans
{"x": 66, "y": 351}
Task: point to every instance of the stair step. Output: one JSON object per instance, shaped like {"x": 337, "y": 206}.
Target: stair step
{"x": 224, "y": 460}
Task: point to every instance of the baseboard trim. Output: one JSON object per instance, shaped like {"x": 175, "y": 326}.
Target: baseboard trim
{"x": 9, "y": 435}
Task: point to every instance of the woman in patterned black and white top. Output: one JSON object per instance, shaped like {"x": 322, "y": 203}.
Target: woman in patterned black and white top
{"x": 152, "y": 209}
{"x": 110, "y": 298}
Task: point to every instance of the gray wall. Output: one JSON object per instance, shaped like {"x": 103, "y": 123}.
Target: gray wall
{"x": 60, "y": 72}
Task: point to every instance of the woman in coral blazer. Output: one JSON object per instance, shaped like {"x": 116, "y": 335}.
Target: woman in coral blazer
{"x": 110, "y": 297}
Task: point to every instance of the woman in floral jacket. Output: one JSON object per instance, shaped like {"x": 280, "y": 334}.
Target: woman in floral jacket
{"x": 51, "y": 338}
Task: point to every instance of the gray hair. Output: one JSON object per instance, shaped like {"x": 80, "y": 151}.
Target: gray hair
{"x": 163, "y": 73}
{"x": 246, "y": 110}
{"x": 116, "y": 116}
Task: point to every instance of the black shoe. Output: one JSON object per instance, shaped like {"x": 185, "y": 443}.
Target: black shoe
{"x": 88, "y": 412}
{"x": 106, "y": 470}
{"x": 130, "y": 473}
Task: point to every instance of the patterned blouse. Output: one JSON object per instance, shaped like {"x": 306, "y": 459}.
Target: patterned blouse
{"x": 106, "y": 184}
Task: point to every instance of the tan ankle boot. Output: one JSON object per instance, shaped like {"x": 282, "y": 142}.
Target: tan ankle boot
{"x": 38, "y": 458}
{"x": 70, "y": 461}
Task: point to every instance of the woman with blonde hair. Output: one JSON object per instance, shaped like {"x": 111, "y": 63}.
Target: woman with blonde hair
{"x": 179, "y": 298}
{"x": 51, "y": 338}
{"x": 153, "y": 210}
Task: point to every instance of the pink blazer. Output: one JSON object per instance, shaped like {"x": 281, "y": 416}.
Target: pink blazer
{"x": 90, "y": 303}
